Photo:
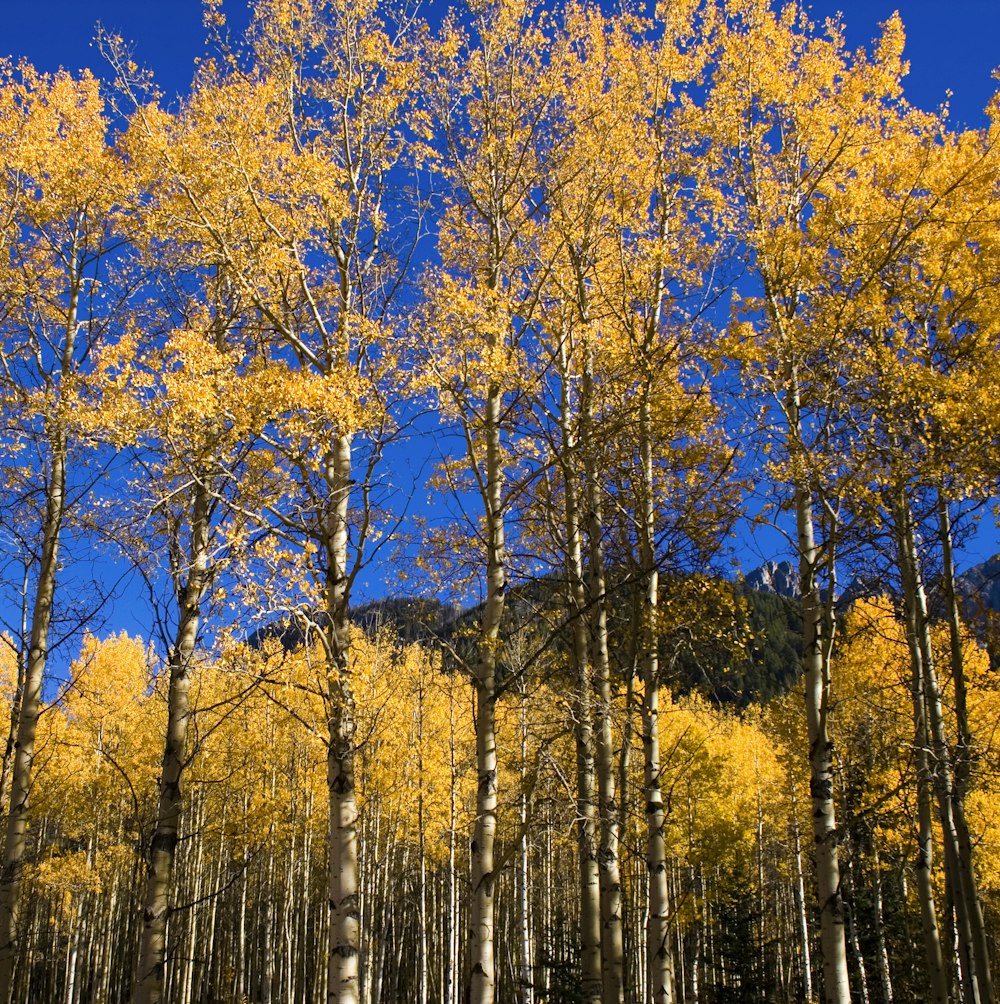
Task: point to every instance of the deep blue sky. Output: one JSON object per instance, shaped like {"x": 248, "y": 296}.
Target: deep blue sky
{"x": 167, "y": 35}
{"x": 950, "y": 46}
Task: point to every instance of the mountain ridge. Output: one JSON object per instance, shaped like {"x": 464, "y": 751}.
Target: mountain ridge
{"x": 978, "y": 587}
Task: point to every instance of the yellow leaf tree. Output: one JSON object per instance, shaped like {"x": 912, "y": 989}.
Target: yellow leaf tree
{"x": 60, "y": 187}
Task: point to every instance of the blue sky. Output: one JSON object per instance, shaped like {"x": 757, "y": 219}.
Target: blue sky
{"x": 167, "y": 35}
{"x": 951, "y": 46}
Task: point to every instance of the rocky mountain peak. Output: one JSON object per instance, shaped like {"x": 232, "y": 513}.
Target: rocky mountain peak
{"x": 979, "y": 587}
{"x": 779, "y": 577}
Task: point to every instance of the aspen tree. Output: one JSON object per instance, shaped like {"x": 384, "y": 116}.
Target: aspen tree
{"x": 281, "y": 174}
{"x": 647, "y": 292}
{"x": 363, "y": 75}
{"x": 592, "y": 241}
{"x": 582, "y": 714}
{"x": 951, "y": 337}
{"x": 492, "y": 94}
{"x": 796, "y": 122}
{"x": 936, "y": 971}
{"x": 615, "y": 206}
{"x": 592, "y": 171}
{"x": 917, "y": 334}
{"x": 192, "y": 405}
{"x": 934, "y": 755}
{"x": 199, "y": 416}
{"x": 61, "y": 183}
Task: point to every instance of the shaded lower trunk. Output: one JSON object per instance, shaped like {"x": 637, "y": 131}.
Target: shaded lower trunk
{"x": 343, "y": 986}
{"x": 482, "y": 974}
{"x": 612, "y": 940}
{"x": 816, "y": 672}
{"x": 15, "y": 837}
{"x": 482, "y": 971}
{"x": 342, "y": 889}
{"x": 659, "y": 953}
{"x": 151, "y": 964}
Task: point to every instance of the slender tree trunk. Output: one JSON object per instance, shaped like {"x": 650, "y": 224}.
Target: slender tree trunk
{"x": 188, "y": 961}
{"x": 612, "y": 944}
{"x": 523, "y": 875}
{"x": 936, "y": 974}
{"x": 635, "y": 960}
{"x": 342, "y": 887}
{"x": 962, "y": 758}
{"x": 923, "y": 867}
{"x": 761, "y": 953}
{"x": 659, "y": 961}
{"x": 366, "y": 899}
{"x": 241, "y": 935}
{"x": 693, "y": 941}
{"x": 587, "y": 821}
{"x": 73, "y": 955}
{"x": 15, "y": 706}
{"x": 586, "y": 802}
{"x": 451, "y": 987}
{"x": 852, "y": 928}
{"x": 423, "y": 933}
{"x": 963, "y": 746}
{"x": 800, "y": 904}
{"x": 149, "y": 973}
{"x": 957, "y": 851}
{"x": 212, "y": 948}
{"x": 885, "y": 978}
{"x": 816, "y": 671}
{"x": 482, "y": 977}
{"x": 15, "y": 842}
{"x": 543, "y": 915}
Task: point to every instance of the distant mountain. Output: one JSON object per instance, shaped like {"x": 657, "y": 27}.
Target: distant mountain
{"x": 979, "y": 588}
{"x": 861, "y": 587}
{"x": 414, "y": 619}
{"x": 781, "y": 578}
{"x": 778, "y": 577}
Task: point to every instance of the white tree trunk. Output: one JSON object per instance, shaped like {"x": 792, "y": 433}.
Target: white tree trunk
{"x": 800, "y": 905}
{"x": 150, "y": 967}
{"x": 659, "y": 955}
{"x": 482, "y": 975}
{"x": 612, "y": 943}
{"x": 816, "y": 672}
{"x": 15, "y": 841}
{"x": 974, "y": 964}
{"x": 583, "y": 723}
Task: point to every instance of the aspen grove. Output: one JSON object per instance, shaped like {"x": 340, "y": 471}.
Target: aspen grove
{"x": 519, "y": 314}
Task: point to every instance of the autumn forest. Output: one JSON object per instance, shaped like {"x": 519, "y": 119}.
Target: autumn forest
{"x": 529, "y": 311}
